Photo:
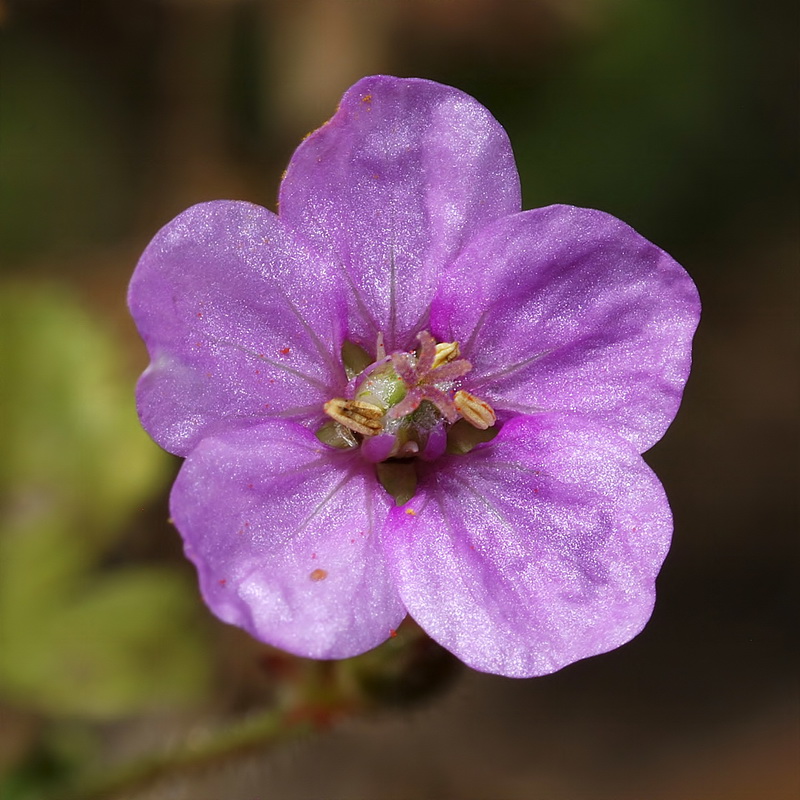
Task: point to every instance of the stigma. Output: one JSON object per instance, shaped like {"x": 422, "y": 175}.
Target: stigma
{"x": 406, "y": 400}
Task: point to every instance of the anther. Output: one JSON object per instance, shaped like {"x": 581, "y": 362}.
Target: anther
{"x": 363, "y": 418}
{"x": 445, "y": 353}
{"x": 477, "y": 412}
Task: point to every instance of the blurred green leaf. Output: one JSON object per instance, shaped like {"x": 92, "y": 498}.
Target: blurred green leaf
{"x": 621, "y": 109}
{"x": 71, "y": 442}
{"x": 74, "y": 466}
{"x": 125, "y": 642}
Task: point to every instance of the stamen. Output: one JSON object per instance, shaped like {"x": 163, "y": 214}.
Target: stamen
{"x": 363, "y": 418}
{"x": 445, "y": 353}
{"x": 474, "y": 410}
{"x": 400, "y": 399}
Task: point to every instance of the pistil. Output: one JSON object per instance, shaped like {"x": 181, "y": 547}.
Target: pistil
{"x": 407, "y": 396}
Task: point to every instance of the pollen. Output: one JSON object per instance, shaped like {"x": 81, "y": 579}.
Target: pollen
{"x": 477, "y": 412}
{"x": 408, "y": 395}
{"x": 445, "y": 353}
{"x": 318, "y": 575}
{"x": 411, "y": 512}
{"x": 358, "y": 416}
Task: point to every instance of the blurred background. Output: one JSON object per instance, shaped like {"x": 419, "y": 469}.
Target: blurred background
{"x": 679, "y": 116}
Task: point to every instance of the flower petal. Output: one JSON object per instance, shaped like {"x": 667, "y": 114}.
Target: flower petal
{"x": 403, "y": 174}
{"x": 535, "y": 550}
{"x": 242, "y": 323}
{"x": 285, "y": 534}
{"x": 566, "y": 308}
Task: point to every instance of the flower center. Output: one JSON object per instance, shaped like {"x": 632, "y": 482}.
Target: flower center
{"x": 402, "y": 405}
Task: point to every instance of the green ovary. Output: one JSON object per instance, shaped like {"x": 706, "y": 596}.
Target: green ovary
{"x": 383, "y": 388}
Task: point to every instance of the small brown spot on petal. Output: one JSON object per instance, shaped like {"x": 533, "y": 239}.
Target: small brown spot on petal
{"x": 411, "y": 512}
{"x": 285, "y": 351}
{"x": 318, "y": 575}
{"x": 392, "y": 633}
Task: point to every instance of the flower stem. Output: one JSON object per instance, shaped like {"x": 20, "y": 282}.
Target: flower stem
{"x": 318, "y": 703}
{"x": 315, "y": 695}
{"x": 266, "y": 728}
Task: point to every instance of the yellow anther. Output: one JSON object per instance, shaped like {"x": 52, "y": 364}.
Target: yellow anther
{"x": 445, "y": 353}
{"x": 363, "y": 418}
{"x": 477, "y": 412}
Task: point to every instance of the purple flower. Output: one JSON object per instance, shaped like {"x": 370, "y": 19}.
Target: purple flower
{"x": 399, "y": 311}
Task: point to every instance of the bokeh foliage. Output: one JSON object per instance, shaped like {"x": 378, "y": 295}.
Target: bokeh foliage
{"x": 81, "y": 636}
